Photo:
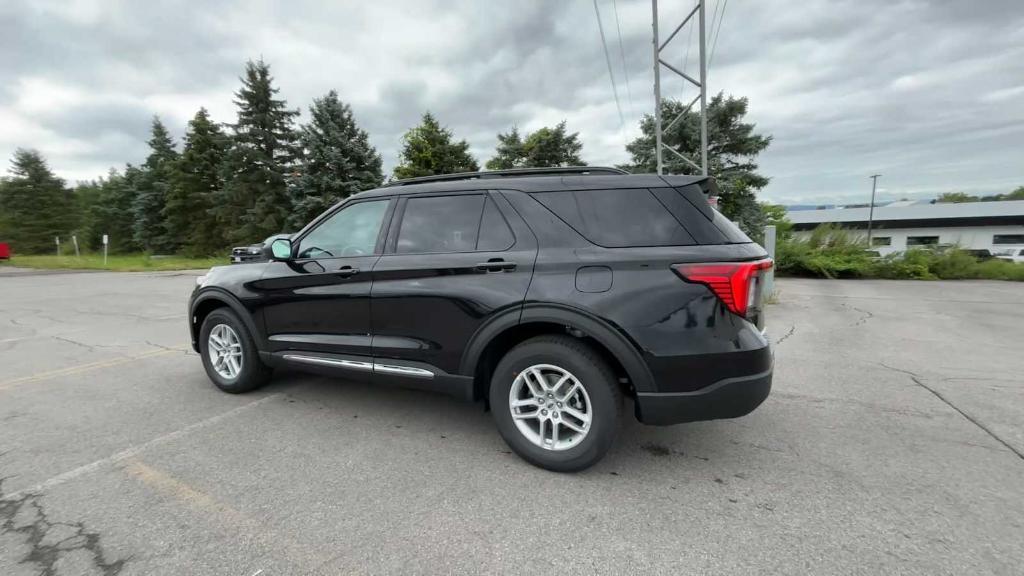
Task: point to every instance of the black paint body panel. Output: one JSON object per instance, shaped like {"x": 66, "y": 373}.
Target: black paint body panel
{"x": 675, "y": 341}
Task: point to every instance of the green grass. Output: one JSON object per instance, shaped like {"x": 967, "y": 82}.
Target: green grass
{"x": 118, "y": 263}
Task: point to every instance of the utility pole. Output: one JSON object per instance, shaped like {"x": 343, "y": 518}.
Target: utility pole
{"x": 659, "y": 131}
{"x": 871, "y": 208}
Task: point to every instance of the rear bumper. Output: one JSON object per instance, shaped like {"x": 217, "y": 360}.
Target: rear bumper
{"x": 728, "y": 398}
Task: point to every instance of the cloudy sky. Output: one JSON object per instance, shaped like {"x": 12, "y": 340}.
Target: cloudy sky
{"x": 928, "y": 93}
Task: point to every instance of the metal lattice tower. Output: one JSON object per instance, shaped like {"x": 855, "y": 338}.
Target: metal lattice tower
{"x": 659, "y": 147}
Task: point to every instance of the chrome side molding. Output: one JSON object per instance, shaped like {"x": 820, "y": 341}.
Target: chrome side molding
{"x": 402, "y": 371}
{"x": 351, "y": 364}
{"x": 408, "y": 371}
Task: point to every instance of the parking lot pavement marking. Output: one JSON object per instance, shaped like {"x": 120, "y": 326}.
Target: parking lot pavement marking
{"x": 164, "y": 483}
{"x": 82, "y": 368}
{"x": 167, "y": 484}
{"x": 137, "y": 449}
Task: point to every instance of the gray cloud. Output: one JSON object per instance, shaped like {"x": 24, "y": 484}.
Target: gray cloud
{"x": 930, "y": 94}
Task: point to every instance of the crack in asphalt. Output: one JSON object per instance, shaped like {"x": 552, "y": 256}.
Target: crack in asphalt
{"x": 866, "y": 315}
{"x": 88, "y": 347}
{"x": 40, "y": 534}
{"x": 917, "y": 379}
{"x": 168, "y": 348}
{"x": 792, "y": 329}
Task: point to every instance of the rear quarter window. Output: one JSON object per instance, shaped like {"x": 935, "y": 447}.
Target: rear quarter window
{"x": 617, "y": 218}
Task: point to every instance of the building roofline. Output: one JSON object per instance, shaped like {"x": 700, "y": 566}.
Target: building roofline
{"x": 931, "y": 212}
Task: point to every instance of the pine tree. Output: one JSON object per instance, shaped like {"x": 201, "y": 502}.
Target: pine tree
{"x": 86, "y": 196}
{"x": 112, "y": 213}
{"x": 35, "y": 206}
{"x": 152, "y": 189}
{"x": 429, "y": 149}
{"x": 545, "y": 148}
{"x": 254, "y": 201}
{"x": 337, "y": 161}
{"x": 196, "y": 181}
{"x": 509, "y": 152}
{"x": 733, "y": 147}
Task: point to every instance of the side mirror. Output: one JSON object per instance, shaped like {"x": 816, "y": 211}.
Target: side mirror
{"x": 279, "y": 249}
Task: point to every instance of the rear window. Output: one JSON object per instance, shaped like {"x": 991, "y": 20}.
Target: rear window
{"x": 730, "y": 230}
{"x": 617, "y": 218}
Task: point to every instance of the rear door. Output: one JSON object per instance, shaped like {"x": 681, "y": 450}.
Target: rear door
{"x": 452, "y": 260}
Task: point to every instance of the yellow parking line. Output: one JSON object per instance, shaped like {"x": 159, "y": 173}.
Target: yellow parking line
{"x": 80, "y": 368}
{"x": 182, "y": 491}
{"x": 276, "y": 543}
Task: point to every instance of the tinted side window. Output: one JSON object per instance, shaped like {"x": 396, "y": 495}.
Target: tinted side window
{"x": 730, "y": 229}
{"x": 617, "y": 218}
{"x": 352, "y": 231}
{"x": 495, "y": 234}
{"x": 440, "y": 224}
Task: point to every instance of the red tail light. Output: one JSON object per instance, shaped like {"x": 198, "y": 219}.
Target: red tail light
{"x": 732, "y": 282}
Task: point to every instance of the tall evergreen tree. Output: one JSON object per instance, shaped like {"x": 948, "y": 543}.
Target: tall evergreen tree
{"x": 509, "y": 152}
{"x": 733, "y": 147}
{"x": 35, "y": 206}
{"x": 254, "y": 201}
{"x": 152, "y": 189}
{"x": 429, "y": 149}
{"x": 113, "y": 214}
{"x": 545, "y": 148}
{"x": 86, "y": 196}
{"x": 196, "y": 181}
{"x": 337, "y": 161}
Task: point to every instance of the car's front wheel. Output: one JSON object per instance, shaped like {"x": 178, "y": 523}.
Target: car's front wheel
{"x": 229, "y": 354}
{"x": 556, "y": 403}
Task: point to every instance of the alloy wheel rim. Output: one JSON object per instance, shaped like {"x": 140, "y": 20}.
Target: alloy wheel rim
{"x": 225, "y": 350}
{"x": 550, "y": 407}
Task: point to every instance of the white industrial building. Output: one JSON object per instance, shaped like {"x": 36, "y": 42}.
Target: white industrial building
{"x": 996, "y": 226}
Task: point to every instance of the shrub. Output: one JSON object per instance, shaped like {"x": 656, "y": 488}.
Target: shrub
{"x": 831, "y": 252}
{"x": 1001, "y": 270}
{"x": 913, "y": 265}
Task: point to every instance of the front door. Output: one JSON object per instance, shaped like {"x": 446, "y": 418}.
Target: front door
{"x": 320, "y": 300}
{"x": 452, "y": 261}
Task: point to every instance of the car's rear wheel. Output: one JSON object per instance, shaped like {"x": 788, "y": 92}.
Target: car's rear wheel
{"x": 229, "y": 353}
{"x": 556, "y": 403}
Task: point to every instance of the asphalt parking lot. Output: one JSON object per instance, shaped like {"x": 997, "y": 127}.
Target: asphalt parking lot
{"x": 892, "y": 443}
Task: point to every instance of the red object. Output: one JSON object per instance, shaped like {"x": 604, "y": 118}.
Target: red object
{"x": 732, "y": 282}
{"x": 5, "y": 251}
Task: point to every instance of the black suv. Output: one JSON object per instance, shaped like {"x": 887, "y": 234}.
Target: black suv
{"x": 547, "y": 294}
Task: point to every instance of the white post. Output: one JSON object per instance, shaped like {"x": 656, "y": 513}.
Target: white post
{"x": 769, "y": 246}
{"x": 74, "y": 240}
{"x": 106, "y": 240}
{"x": 57, "y": 240}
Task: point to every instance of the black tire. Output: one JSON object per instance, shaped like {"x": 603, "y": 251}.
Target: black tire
{"x": 253, "y": 374}
{"x": 592, "y": 371}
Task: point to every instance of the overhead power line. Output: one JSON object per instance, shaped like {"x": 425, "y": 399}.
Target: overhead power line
{"x": 714, "y": 41}
{"x": 714, "y": 16}
{"x": 611, "y": 75}
{"x": 686, "y": 59}
{"x": 622, "y": 57}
